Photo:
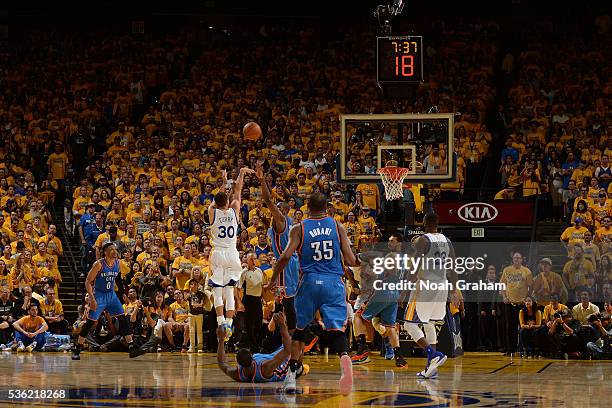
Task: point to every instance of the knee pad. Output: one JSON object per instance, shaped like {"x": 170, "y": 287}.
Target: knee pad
{"x": 338, "y": 341}
{"x": 218, "y": 296}
{"x": 430, "y": 333}
{"x": 298, "y": 335}
{"x": 228, "y": 294}
{"x": 86, "y": 327}
{"x": 414, "y": 331}
{"x": 124, "y": 325}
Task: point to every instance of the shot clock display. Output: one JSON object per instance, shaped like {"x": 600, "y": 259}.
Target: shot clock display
{"x": 399, "y": 59}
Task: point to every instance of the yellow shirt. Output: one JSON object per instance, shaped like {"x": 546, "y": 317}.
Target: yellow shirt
{"x": 52, "y": 310}
{"x": 573, "y": 235}
{"x": 367, "y": 225}
{"x": 517, "y": 281}
{"x": 369, "y": 193}
{"x": 180, "y": 311}
{"x": 58, "y": 163}
{"x": 575, "y": 272}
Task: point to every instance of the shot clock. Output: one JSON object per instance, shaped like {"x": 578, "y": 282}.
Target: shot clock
{"x": 399, "y": 59}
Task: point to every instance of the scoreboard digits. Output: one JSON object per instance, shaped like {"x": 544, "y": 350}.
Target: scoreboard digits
{"x": 399, "y": 59}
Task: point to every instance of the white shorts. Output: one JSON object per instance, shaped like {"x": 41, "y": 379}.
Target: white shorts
{"x": 225, "y": 266}
{"x": 425, "y": 306}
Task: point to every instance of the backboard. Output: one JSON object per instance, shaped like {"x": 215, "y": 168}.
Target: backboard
{"x": 369, "y": 142}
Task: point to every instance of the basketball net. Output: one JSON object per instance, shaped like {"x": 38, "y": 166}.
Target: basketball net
{"x": 393, "y": 178}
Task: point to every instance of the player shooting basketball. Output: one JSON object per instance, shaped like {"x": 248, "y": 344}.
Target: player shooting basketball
{"x": 224, "y": 258}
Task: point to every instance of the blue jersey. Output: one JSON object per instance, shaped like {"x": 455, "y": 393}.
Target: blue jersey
{"x": 105, "y": 281}
{"x": 320, "y": 247}
{"x": 278, "y": 374}
{"x": 288, "y": 280}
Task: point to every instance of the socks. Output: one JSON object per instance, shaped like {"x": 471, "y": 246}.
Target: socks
{"x": 220, "y": 320}
{"x": 361, "y": 339}
{"x": 398, "y": 352}
{"x": 293, "y": 365}
{"x": 430, "y": 351}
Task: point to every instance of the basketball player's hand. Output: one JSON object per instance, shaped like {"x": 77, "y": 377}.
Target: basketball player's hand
{"x": 271, "y": 286}
{"x": 93, "y": 305}
{"x": 280, "y": 319}
{"x": 259, "y": 171}
{"x": 220, "y": 333}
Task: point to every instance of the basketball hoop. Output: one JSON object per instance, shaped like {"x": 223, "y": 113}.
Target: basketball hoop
{"x": 393, "y": 178}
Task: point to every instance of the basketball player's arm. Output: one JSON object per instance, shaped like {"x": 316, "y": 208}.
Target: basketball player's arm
{"x": 295, "y": 238}
{"x": 89, "y": 282}
{"x": 237, "y": 188}
{"x": 345, "y": 246}
{"x": 420, "y": 248}
{"x": 229, "y": 370}
{"x": 211, "y": 211}
{"x": 277, "y": 216}
{"x": 268, "y": 367}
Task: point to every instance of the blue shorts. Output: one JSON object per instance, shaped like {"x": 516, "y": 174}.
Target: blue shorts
{"x": 387, "y": 311}
{"x": 324, "y": 293}
{"x": 108, "y": 301}
{"x": 291, "y": 276}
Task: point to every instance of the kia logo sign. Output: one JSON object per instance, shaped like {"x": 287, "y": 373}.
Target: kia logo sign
{"x": 477, "y": 213}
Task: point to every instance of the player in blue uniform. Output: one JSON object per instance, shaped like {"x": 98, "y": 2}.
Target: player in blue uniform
{"x": 322, "y": 245}
{"x": 383, "y": 304}
{"x": 279, "y": 236}
{"x": 258, "y": 368}
{"x": 100, "y": 285}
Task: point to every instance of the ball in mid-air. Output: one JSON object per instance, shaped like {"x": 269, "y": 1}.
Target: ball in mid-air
{"x": 252, "y": 131}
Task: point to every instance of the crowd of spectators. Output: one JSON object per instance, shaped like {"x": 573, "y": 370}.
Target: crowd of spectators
{"x": 138, "y": 134}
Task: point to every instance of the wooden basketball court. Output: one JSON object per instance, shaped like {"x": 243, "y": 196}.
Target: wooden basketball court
{"x": 179, "y": 380}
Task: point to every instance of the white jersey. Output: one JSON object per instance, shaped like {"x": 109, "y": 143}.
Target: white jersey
{"x": 425, "y": 303}
{"x": 224, "y": 228}
{"x": 439, "y": 250}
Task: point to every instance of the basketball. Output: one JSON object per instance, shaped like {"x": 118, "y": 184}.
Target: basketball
{"x": 252, "y": 131}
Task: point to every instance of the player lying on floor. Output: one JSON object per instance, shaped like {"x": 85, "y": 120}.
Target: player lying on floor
{"x": 257, "y": 368}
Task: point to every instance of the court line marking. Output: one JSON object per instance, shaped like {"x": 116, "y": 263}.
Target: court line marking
{"x": 501, "y": 368}
{"x": 545, "y": 367}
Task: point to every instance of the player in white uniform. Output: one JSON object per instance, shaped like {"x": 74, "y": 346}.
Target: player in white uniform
{"x": 224, "y": 259}
{"x": 425, "y": 305}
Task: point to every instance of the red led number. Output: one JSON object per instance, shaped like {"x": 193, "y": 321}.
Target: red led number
{"x": 404, "y": 66}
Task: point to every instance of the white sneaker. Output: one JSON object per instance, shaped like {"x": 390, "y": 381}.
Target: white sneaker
{"x": 31, "y": 347}
{"x": 20, "y": 347}
{"x": 289, "y": 385}
{"x": 3, "y": 347}
{"x": 423, "y": 375}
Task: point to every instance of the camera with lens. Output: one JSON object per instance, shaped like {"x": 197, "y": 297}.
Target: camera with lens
{"x": 146, "y": 302}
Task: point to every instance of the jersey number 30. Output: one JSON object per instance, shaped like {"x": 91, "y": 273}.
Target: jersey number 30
{"x": 226, "y": 232}
{"x": 322, "y": 250}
